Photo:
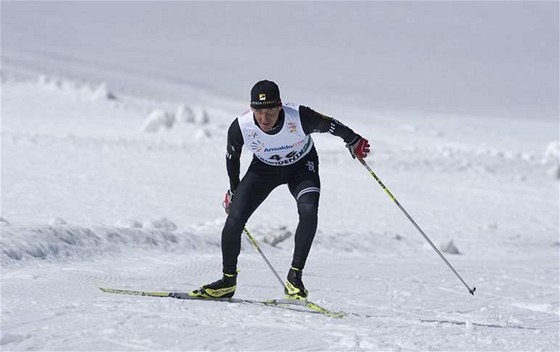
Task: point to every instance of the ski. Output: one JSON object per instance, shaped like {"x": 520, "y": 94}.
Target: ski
{"x": 282, "y": 303}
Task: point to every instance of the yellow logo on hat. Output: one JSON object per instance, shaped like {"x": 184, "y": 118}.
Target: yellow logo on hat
{"x": 262, "y": 96}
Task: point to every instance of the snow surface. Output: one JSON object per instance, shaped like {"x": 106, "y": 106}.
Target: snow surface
{"x": 114, "y": 117}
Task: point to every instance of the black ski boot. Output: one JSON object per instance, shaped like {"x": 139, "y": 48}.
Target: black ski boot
{"x": 223, "y": 288}
{"x": 294, "y": 286}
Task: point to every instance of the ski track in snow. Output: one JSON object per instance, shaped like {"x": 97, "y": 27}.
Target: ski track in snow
{"x": 427, "y": 307}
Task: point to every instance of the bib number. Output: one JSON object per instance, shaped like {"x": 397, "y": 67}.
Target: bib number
{"x": 278, "y": 157}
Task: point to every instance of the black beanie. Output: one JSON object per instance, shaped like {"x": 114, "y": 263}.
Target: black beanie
{"x": 265, "y": 94}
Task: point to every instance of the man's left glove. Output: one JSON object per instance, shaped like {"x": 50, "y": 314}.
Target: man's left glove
{"x": 359, "y": 147}
{"x": 227, "y": 200}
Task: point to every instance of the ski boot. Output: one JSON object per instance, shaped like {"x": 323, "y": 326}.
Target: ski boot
{"x": 294, "y": 286}
{"x": 223, "y": 288}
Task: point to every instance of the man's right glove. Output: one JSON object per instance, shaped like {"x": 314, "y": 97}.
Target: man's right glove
{"x": 227, "y": 200}
{"x": 359, "y": 147}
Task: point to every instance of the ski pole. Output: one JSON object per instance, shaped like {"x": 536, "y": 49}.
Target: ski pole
{"x": 256, "y": 245}
{"x": 471, "y": 290}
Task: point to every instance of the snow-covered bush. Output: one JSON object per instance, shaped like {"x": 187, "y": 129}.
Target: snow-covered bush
{"x": 192, "y": 114}
{"x": 128, "y": 224}
{"x": 202, "y": 118}
{"x": 160, "y": 224}
{"x": 183, "y": 117}
{"x": 4, "y": 222}
{"x": 101, "y": 92}
{"x": 450, "y": 248}
{"x": 185, "y": 114}
{"x": 272, "y": 235}
{"x": 551, "y": 158}
{"x": 78, "y": 90}
{"x": 157, "y": 120}
{"x": 57, "y": 222}
{"x": 202, "y": 134}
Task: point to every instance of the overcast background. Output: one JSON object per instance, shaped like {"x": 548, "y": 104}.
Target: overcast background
{"x": 490, "y": 58}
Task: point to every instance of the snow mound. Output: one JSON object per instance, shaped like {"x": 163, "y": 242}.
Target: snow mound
{"x": 184, "y": 116}
{"x": 4, "y": 222}
{"x": 79, "y": 90}
{"x": 158, "y": 120}
{"x": 63, "y": 242}
{"x": 273, "y": 236}
{"x": 551, "y": 159}
{"x": 192, "y": 114}
{"x": 57, "y": 222}
{"x": 129, "y": 224}
{"x": 203, "y": 134}
{"x": 450, "y": 248}
{"x": 13, "y": 338}
{"x": 161, "y": 224}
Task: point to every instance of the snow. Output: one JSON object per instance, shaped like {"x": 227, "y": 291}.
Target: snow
{"x": 113, "y": 132}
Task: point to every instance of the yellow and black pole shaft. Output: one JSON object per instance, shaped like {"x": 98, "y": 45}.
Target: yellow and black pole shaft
{"x": 363, "y": 162}
{"x": 256, "y": 245}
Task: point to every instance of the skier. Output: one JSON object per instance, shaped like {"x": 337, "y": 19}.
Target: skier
{"x": 279, "y": 137}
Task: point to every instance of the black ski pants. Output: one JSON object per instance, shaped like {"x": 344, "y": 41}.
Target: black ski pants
{"x": 303, "y": 182}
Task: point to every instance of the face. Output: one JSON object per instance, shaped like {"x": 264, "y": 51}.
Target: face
{"x": 267, "y": 118}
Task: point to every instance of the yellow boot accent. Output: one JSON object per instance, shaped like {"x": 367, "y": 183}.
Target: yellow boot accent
{"x": 293, "y": 292}
{"x": 218, "y": 293}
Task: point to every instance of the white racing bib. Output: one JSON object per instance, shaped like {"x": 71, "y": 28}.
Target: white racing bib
{"x": 283, "y": 148}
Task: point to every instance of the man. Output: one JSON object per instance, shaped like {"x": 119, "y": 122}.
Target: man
{"x": 279, "y": 137}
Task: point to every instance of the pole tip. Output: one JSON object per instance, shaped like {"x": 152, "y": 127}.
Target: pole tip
{"x": 471, "y": 291}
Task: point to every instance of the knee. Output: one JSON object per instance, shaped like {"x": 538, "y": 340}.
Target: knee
{"x": 234, "y": 224}
{"x": 307, "y": 209}
{"x": 238, "y": 211}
